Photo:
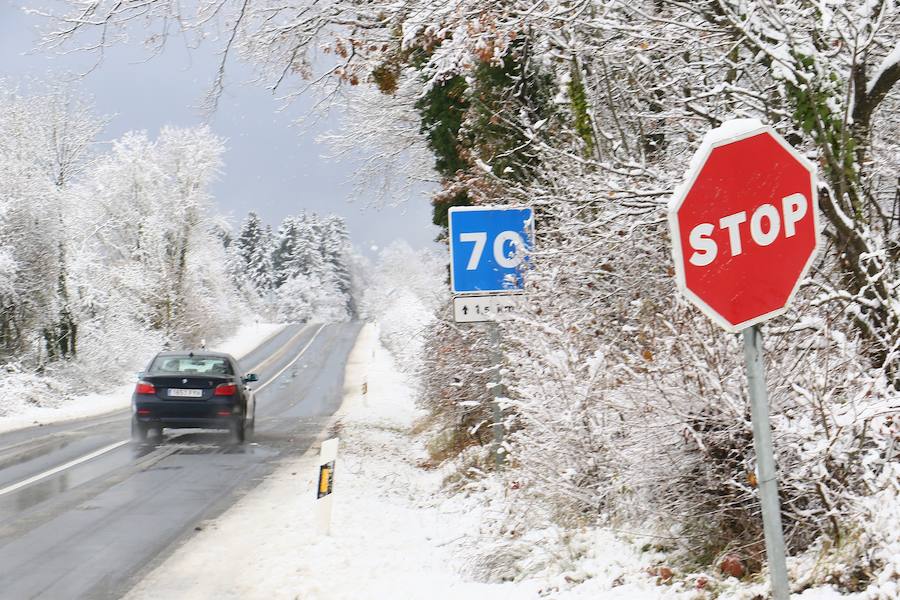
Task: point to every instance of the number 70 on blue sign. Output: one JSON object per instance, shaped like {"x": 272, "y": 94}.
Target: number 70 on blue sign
{"x": 488, "y": 245}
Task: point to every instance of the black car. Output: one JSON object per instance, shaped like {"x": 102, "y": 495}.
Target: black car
{"x": 193, "y": 389}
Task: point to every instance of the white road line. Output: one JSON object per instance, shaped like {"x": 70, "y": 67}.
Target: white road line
{"x": 63, "y": 467}
{"x": 278, "y": 352}
{"x": 268, "y": 338}
{"x": 290, "y": 364}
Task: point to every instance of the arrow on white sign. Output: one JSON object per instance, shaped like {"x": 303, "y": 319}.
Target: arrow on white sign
{"x": 472, "y": 309}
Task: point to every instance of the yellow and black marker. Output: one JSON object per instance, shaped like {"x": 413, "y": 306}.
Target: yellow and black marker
{"x": 326, "y": 479}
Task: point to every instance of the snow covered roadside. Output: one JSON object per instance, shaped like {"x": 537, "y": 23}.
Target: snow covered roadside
{"x": 382, "y": 544}
{"x": 393, "y": 534}
{"x": 246, "y": 339}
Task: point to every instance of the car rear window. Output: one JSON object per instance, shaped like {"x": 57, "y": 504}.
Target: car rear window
{"x": 186, "y": 365}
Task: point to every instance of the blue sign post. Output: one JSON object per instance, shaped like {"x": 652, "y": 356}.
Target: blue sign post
{"x": 487, "y": 248}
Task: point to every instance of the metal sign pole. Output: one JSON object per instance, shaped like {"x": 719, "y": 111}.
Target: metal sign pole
{"x": 497, "y": 391}
{"x": 765, "y": 458}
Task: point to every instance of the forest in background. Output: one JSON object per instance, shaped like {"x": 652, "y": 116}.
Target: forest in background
{"x": 102, "y": 250}
{"x": 626, "y": 408}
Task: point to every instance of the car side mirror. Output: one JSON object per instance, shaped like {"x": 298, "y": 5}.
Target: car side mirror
{"x": 251, "y": 377}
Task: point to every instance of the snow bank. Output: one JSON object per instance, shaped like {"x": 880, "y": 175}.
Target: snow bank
{"x": 88, "y": 405}
{"x": 42, "y": 412}
{"x": 247, "y": 338}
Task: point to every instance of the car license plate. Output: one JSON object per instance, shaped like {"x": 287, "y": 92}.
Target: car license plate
{"x": 177, "y": 393}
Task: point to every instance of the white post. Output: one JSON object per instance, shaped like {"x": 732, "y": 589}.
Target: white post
{"x": 765, "y": 458}
{"x": 324, "y": 483}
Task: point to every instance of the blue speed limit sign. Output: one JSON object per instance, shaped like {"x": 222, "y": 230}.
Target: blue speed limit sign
{"x": 488, "y": 247}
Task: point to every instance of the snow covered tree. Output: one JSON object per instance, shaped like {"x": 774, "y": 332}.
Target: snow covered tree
{"x": 285, "y": 252}
{"x": 254, "y": 247}
{"x": 45, "y": 147}
{"x": 101, "y": 251}
{"x": 335, "y": 257}
{"x": 306, "y": 298}
{"x": 313, "y": 251}
{"x": 150, "y": 249}
{"x": 308, "y": 257}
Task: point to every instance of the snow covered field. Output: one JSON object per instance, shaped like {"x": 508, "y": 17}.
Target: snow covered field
{"x": 244, "y": 340}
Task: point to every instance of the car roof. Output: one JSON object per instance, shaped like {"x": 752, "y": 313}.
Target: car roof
{"x": 196, "y": 354}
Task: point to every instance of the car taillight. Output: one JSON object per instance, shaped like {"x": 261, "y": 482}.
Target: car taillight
{"x": 225, "y": 389}
{"x": 144, "y": 387}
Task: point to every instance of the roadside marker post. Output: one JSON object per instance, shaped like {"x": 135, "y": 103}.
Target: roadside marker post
{"x": 745, "y": 231}
{"x": 325, "y": 485}
{"x": 489, "y": 252}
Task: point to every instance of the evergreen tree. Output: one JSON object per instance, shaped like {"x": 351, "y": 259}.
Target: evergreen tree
{"x": 335, "y": 248}
{"x": 311, "y": 270}
{"x": 284, "y": 254}
{"x": 308, "y": 258}
{"x": 254, "y": 250}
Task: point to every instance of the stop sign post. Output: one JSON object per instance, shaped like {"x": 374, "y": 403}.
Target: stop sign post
{"x": 745, "y": 231}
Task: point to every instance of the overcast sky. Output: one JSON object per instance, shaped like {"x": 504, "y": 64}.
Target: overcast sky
{"x": 271, "y": 167}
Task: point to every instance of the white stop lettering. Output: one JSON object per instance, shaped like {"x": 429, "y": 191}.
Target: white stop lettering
{"x": 765, "y": 227}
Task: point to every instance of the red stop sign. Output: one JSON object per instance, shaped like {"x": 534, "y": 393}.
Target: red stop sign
{"x": 744, "y": 225}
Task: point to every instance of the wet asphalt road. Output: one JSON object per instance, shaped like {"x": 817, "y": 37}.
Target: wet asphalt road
{"x": 85, "y": 513}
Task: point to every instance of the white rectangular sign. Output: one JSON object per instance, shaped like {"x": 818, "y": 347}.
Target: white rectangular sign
{"x": 473, "y": 309}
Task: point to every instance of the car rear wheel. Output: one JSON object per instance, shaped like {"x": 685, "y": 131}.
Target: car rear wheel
{"x": 138, "y": 431}
{"x": 238, "y": 430}
{"x": 251, "y": 425}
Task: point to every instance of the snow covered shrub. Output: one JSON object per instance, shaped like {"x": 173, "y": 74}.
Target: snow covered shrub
{"x": 405, "y": 319}
{"x": 22, "y": 388}
{"x": 456, "y": 374}
{"x": 405, "y": 289}
{"x": 305, "y": 299}
{"x": 634, "y": 411}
